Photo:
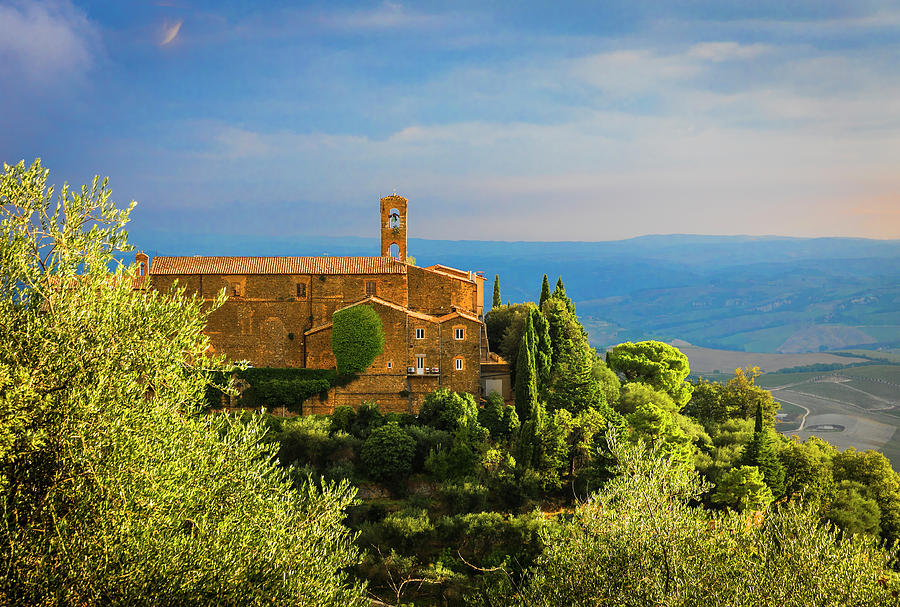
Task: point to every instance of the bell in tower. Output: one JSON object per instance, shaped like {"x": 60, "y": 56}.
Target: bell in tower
{"x": 393, "y": 227}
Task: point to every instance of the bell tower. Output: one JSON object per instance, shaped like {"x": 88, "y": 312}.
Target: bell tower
{"x": 393, "y": 227}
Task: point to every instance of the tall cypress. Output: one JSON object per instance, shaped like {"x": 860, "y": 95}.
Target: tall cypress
{"x": 545, "y": 293}
{"x": 526, "y": 372}
{"x": 762, "y": 453}
{"x": 560, "y": 293}
{"x": 543, "y": 352}
{"x": 497, "y": 302}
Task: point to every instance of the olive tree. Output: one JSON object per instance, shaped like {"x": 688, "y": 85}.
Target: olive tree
{"x": 114, "y": 488}
{"x": 641, "y": 541}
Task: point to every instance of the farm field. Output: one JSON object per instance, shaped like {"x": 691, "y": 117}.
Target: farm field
{"x": 706, "y": 361}
{"x": 856, "y": 407}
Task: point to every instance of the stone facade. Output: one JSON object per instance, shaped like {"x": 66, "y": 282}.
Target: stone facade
{"x": 278, "y": 314}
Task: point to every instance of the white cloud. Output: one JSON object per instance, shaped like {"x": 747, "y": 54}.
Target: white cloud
{"x": 726, "y": 51}
{"x": 45, "y": 43}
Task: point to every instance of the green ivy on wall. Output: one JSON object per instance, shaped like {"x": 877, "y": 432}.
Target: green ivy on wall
{"x": 357, "y": 337}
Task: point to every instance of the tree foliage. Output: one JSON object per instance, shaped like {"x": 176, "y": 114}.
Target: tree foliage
{"x": 545, "y": 292}
{"x": 496, "y": 302}
{"x": 388, "y": 453}
{"x": 739, "y": 397}
{"x": 641, "y": 542}
{"x": 114, "y": 489}
{"x": 653, "y": 362}
{"x": 449, "y": 411}
{"x": 357, "y": 337}
{"x": 526, "y": 386}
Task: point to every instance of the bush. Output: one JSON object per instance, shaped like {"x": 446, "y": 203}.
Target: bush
{"x": 427, "y": 439}
{"x": 342, "y": 419}
{"x": 458, "y": 462}
{"x": 357, "y": 337}
{"x": 288, "y": 393}
{"x": 388, "y": 453}
{"x": 450, "y": 411}
{"x": 466, "y": 497}
{"x": 368, "y": 417}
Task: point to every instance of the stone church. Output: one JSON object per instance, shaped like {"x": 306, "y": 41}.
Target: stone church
{"x": 278, "y": 314}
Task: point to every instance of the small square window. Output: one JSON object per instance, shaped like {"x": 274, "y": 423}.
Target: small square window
{"x": 235, "y": 289}
{"x": 390, "y": 364}
{"x": 301, "y": 290}
{"x": 371, "y": 287}
{"x": 459, "y": 364}
{"x": 460, "y": 333}
{"x": 420, "y": 333}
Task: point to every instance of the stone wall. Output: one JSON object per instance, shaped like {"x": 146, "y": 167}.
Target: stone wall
{"x": 437, "y": 293}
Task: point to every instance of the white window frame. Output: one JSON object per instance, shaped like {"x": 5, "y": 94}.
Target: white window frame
{"x": 420, "y": 333}
{"x": 420, "y": 364}
{"x": 390, "y": 365}
{"x": 459, "y": 333}
{"x": 459, "y": 364}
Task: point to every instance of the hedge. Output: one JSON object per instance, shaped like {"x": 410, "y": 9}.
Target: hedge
{"x": 274, "y": 387}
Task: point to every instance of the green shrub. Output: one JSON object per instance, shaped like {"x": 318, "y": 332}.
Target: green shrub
{"x": 342, "y": 419}
{"x": 465, "y": 497}
{"x": 357, "y": 338}
{"x": 368, "y": 417}
{"x": 459, "y": 461}
{"x": 288, "y": 393}
{"x": 450, "y": 411}
{"x": 388, "y": 453}
{"x": 427, "y": 439}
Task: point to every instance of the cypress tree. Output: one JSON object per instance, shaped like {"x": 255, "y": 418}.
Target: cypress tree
{"x": 758, "y": 427}
{"x": 497, "y": 302}
{"x": 545, "y": 292}
{"x": 762, "y": 453}
{"x": 526, "y": 372}
{"x": 544, "y": 351}
{"x": 528, "y": 452}
{"x": 560, "y": 293}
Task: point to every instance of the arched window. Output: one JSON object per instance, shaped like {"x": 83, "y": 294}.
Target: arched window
{"x": 394, "y": 251}
{"x": 394, "y": 218}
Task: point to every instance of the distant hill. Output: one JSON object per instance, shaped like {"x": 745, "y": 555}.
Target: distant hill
{"x": 762, "y": 294}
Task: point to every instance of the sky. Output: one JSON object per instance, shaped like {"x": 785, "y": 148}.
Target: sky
{"x": 497, "y": 120}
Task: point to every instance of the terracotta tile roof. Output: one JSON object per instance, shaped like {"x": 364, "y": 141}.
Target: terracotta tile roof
{"x": 276, "y": 265}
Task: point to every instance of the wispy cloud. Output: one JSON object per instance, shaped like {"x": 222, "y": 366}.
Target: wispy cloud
{"x": 388, "y": 15}
{"x": 170, "y": 32}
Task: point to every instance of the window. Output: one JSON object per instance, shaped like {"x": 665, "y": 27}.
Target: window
{"x": 390, "y": 364}
{"x": 460, "y": 333}
{"x": 371, "y": 287}
{"x": 420, "y": 333}
{"x": 459, "y": 363}
{"x": 420, "y": 364}
{"x": 235, "y": 289}
{"x": 301, "y": 290}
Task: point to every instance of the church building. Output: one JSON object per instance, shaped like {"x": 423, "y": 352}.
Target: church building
{"x": 278, "y": 314}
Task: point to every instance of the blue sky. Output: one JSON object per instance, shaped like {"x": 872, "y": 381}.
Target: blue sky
{"x": 500, "y": 120}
